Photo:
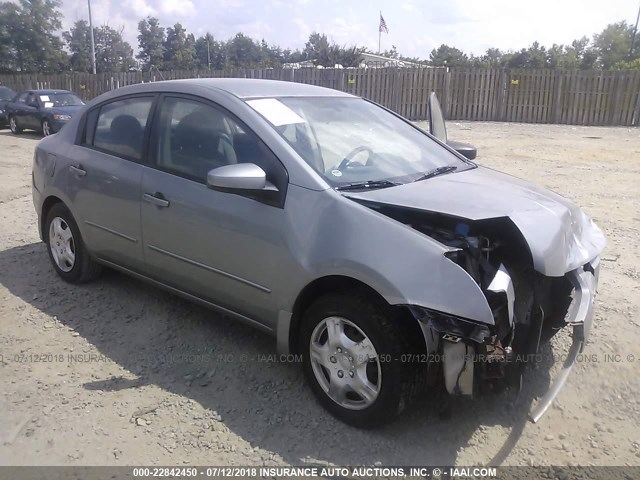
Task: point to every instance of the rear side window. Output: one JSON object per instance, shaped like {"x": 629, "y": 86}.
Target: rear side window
{"x": 120, "y": 127}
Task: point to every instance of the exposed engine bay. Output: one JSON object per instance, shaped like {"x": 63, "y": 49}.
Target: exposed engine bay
{"x": 528, "y": 307}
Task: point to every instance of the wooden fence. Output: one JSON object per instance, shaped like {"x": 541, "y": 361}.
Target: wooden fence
{"x": 535, "y": 96}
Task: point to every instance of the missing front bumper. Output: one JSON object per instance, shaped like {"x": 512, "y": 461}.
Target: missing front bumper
{"x": 580, "y": 317}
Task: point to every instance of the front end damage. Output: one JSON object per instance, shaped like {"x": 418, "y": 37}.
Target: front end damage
{"x": 528, "y": 307}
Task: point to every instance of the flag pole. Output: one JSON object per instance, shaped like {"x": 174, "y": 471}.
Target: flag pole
{"x": 379, "y": 34}
{"x": 633, "y": 36}
{"x": 93, "y": 42}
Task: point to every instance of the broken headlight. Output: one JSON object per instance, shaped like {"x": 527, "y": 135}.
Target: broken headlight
{"x": 451, "y": 328}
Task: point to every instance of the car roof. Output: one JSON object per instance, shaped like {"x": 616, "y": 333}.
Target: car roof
{"x": 251, "y": 87}
{"x": 44, "y": 92}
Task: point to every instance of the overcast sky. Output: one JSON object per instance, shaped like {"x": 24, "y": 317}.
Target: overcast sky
{"x": 415, "y": 26}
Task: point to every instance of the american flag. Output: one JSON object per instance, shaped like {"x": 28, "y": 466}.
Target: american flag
{"x": 383, "y": 25}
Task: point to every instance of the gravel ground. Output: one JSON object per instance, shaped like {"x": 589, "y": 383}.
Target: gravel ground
{"x": 117, "y": 372}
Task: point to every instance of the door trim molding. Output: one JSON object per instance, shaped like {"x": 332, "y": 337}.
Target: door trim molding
{"x": 189, "y": 296}
{"x": 117, "y": 234}
{"x": 210, "y": 268}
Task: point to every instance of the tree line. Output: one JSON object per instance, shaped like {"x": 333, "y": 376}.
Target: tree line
{"x": 30, "y": 42}
{"x": 612, "y": 49}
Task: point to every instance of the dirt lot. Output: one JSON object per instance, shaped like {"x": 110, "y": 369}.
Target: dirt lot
{"x": 117, "y": 372}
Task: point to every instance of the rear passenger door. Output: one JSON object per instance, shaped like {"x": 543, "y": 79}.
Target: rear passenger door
{"x": 104, "y": 175}
{"x": 219, "y": 246}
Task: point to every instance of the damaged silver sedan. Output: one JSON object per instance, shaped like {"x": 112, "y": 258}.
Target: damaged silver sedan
{"x": 377, "y": 251}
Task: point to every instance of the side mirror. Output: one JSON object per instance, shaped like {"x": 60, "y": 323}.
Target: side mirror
{"x": 437, "y": 125}
{"x": 465, "y": 149}
{"x": 238, "y": 176}
{"x": 247, "y": 180}
{"x": 438, "y": 128}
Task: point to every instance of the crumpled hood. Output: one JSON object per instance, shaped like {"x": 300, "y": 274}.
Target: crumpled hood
{"x": 560, "y": 235}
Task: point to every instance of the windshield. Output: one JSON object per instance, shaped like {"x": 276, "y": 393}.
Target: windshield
{"x": 350, "y": 140}
{"x": 60, "y": 100}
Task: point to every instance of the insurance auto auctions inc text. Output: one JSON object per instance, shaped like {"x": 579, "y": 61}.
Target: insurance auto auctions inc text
{"x": 375, "y": 472}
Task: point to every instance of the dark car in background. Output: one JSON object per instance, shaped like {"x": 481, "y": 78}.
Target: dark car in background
{"x": 6, "y": 95}
{"x": 46, "y": 111}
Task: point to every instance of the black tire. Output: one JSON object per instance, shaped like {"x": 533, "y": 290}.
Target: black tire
{"x": 84, "y": 267}
{"x": 46, "y": 128}
{"x": 377, "y": 321}
{"x": 13, "y": 125}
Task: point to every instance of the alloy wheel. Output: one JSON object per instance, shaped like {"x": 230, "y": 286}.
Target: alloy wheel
{"x": 46, "y": 128}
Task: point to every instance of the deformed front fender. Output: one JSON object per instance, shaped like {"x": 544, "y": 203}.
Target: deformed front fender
{"x": 403, "y": 265}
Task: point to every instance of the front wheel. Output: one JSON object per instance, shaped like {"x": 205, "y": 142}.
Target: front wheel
{"x": 352, "y": 350}
{"x": 13, "y": 125}
{"x": 46, "y": 128}
{"x": 67, "y": 251}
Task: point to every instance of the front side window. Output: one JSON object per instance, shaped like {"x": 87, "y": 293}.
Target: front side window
{"x": 350, "y": 140}
{"x": 23, "y": 97}
{"x": 194, "y": 138}
{"x": 121, "y": 125}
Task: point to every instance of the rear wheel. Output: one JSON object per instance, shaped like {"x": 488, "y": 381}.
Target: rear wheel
{"x": 46, "y": 128}
{"x": 352, "y": 357}
{"x": 13, "y": 125}
{"x": 67, "y": 252}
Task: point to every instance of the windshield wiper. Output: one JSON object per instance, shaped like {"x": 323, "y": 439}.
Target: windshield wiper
{"x": 367, "y": 185}
{"x": 437, "y": 171}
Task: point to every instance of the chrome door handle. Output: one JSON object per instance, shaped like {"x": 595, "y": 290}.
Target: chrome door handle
{"x": 155, "y": 200}
{"x": 77, "y": 170}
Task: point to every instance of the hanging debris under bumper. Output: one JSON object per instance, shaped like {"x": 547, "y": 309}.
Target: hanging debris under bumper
{"x": 580, "y": 317}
